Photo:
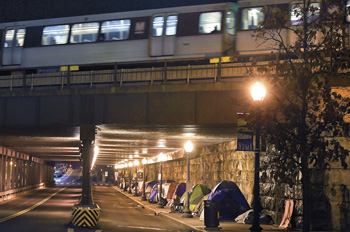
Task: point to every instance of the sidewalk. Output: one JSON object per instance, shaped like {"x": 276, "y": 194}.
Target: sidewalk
{"x": 194, "y": 222}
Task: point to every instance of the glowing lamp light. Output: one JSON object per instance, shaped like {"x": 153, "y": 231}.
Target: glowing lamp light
{"x": 258, "y": 91}
{"x": 96, "y": 150}
{"x": 130, "y": 164}
{"x": 144, "y": 161}
{"x": 161, "y": 157}
{"x": 136, "y": 163}
{"x": 188, "y": 146}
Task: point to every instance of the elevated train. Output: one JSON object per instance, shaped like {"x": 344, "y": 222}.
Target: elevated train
{"x": 181, "y": 33}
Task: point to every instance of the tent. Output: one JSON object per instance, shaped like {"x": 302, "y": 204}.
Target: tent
{"x": 180, "y": 189}
{"x": 149, "y": 185}
{"x": 200, "y": 207}
{"x": 231, "y": 200}
{"x": 153, "y": 193}
{"x": 168, "y": 190}
{"x": 198, "y": 192}
{"x": 247, "y": 218}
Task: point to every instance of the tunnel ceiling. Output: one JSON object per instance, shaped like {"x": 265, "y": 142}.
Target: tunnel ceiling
{"x": 116, "y": 143}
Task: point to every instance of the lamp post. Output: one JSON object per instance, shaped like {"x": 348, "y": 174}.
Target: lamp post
{"x": 187, "y": 211}
{"x": 160, "y": 159}
{"x": 136, "y": 163}
{"x": 130, "y": 178}
{"x": 258, "y": 93}
{"x": 144, "y": 162}
{"x": 125, "y": 186}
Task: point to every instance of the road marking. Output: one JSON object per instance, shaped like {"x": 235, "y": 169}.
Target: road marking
{"x": 30, "y": 208}
{"x": 143, "y": 228}
{"x": 70, "y": 230}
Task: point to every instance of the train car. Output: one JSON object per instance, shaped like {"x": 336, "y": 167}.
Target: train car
{"x": 250, "y": 14}
{"x": 193, "y": 32}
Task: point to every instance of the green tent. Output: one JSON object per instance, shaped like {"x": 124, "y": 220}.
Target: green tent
{"x": 198, "y": 192}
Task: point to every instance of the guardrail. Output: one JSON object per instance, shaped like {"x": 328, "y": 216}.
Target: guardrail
{"x": 6, "y": 194}
{"x": 121, "y": 77}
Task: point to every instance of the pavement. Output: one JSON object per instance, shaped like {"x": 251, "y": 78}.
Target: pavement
{"x": 194, "y": 222}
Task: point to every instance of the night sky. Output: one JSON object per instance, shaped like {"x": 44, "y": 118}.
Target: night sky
{"x": 19, "y": 10}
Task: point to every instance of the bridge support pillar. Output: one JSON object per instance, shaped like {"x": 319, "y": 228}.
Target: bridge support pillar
{"x": 87, "y": 136}
{"x": 85, "y": 213}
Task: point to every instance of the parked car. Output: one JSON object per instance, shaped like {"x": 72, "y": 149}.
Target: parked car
{"x": 58, "y": 173}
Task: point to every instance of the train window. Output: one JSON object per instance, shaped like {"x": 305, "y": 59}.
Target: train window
{"x": 251, "y": 18}
{"x": 115, "y": 30}
{"x": 296, "y": 18}
{"x": 230, "y": 22}
{"x": 10, "y": 34}
{"x": 171, "y": 23}
{"x": 84, "y": 32}
{"x": 55, "y": 35}
{"x": 20, "y": 37}
{"x": 158, "y": 23}
{"x": 209, "y": 22}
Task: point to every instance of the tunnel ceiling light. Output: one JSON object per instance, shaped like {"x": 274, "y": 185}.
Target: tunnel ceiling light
{"x": 144, "y": 161}
{"x": 96, "y": 151}
{"x": 161, "y": 157}
{"x": 188, "y": 146}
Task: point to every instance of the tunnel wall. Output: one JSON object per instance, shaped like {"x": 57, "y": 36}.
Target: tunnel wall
{"x": 18, "y": 170}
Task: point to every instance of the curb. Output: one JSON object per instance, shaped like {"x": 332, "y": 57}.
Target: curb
{"x": 156, "y": 213}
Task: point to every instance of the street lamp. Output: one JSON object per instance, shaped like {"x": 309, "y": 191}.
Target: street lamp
{"x": 258, "y": 93}
{"x": 144, "y": 162}
{"x": 187, "y": 211}
{"x": 125, "y": 186}
{"x": 136, "y": 163}
{"x": 130, "y": 178}
{"x": 160, "y": 159}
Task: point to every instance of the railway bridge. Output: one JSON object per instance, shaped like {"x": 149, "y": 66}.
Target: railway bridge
{"x": 128, "y": 114}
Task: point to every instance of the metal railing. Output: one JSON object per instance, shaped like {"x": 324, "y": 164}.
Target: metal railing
{"x": 17, "y": 191}
{"x": 120, "y": 77}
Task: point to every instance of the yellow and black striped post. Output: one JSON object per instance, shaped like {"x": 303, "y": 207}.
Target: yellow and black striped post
{"x": 85, "y": 216}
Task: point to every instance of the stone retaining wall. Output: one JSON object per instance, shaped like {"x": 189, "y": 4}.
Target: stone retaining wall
{"x": 212, "y": 164}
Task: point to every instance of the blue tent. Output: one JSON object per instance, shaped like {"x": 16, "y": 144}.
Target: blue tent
{"x": 153, "y": 193}
{"x": 231, "y": 200}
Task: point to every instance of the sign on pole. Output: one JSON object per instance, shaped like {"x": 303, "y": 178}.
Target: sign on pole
{"x": 244, "y": 133}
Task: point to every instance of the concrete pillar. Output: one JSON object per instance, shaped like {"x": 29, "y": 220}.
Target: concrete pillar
{"x": 31, "y": 173}
{"x": 22, "y": 172}
{"x": 17, "y": 176}
{"x": 10, "y": 173}
{"x": 2, "y": 173}
{"x": 7, "y": 173}
{"x": 26, "y": 173}
{"x": 87, "y": 136}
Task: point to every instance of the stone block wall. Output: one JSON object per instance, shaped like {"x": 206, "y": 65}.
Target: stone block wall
{"x": 212, "y": 164}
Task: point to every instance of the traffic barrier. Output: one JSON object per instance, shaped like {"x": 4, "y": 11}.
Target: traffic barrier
{"x": 85, "y": 216}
